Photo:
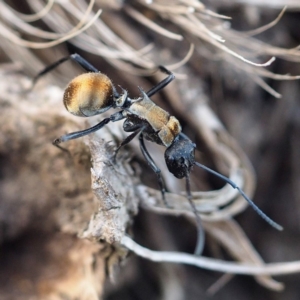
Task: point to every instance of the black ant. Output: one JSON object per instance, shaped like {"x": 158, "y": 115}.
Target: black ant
{"x": 93, "y": 93}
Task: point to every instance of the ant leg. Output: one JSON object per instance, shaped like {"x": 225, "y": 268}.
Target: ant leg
{"x": 77, "y": 134}
{"x": 76, "y": 57}
{"x": 153, "y": 166}
{"x": 201, "y": 233}
{"x": 83, "y": 63}
{"x": 163, "y": 83}
{"x": 127, "y": 140}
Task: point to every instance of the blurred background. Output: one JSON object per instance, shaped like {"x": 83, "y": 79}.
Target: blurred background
{"x": 218, "y": 51}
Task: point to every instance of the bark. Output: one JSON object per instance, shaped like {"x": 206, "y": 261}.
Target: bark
{"x": 50, "y": 218}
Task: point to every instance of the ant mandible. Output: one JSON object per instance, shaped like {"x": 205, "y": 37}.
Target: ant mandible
{"x": 93, "y": 93}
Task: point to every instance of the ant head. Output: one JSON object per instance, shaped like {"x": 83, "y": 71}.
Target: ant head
{"x": 180, "y": 157}
{"x": 89, "y": 94}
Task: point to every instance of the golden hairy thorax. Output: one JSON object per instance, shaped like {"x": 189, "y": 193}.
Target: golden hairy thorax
{"x": 89, "y": 94}
{"x": 166, "y": 126}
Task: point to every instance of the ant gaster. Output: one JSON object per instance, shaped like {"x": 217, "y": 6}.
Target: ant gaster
{"x": 93, "y": 93}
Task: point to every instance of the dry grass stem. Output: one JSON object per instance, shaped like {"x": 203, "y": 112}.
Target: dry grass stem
{"x": 153, "y": 26}
{"x": 211, "y": 264}
{"x": 290, "y": 4}
{"x": 36, "y": 16}
{"x": 13, "y": 37}
{"x": 192, "y": 17}
{"x": 267, "y": 26}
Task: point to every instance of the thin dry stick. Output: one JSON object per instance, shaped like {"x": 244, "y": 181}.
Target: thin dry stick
{"x": 148, "y": 23}
{"x": 10, "y": 35}
{"x": 13, "y": 19}
{"x": 173, "y": 9}
{"x": 190, "y": 26}
{"x": 209, "y": 263}
{"x": 36, "y": 16}
{"x": 267, "y": 26}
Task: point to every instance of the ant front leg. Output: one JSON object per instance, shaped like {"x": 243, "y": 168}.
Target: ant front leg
{"x": 163, "y": 83}
{"x": 201, "y": 232}
{"x": 154, "y": 167}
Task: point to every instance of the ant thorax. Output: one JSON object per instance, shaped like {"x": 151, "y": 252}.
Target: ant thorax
{"x": 165, "y": 126}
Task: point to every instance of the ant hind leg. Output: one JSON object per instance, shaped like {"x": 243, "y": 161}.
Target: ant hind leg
{"x": 76, "y": 57}
{"x": 78, "y": 134}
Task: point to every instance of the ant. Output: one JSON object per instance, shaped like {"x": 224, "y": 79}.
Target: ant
{"x": 93, "y": 93}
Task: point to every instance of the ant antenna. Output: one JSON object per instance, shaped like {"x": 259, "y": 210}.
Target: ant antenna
{"x": 201, "y": 233}
{"x": 257, "y": 210}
